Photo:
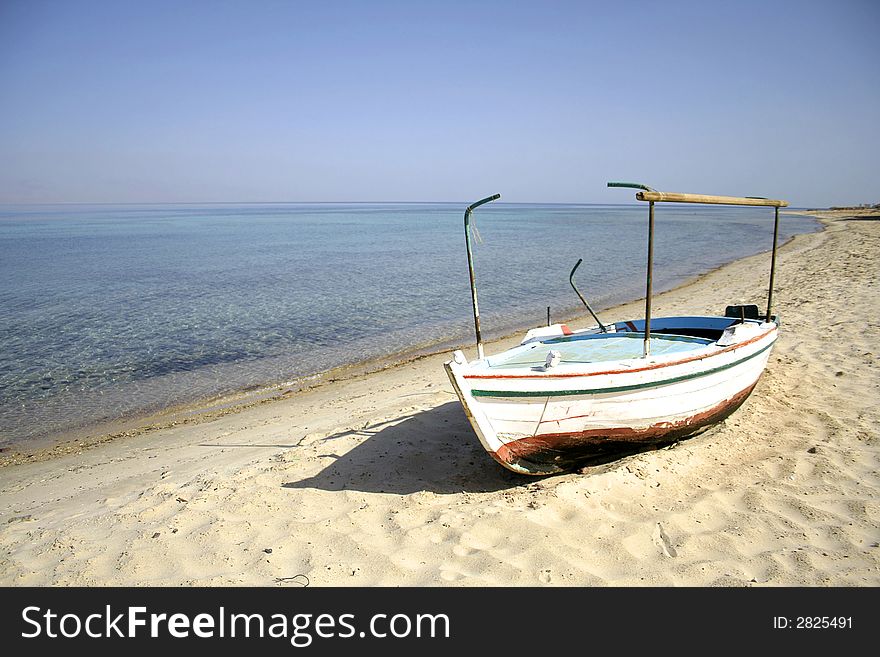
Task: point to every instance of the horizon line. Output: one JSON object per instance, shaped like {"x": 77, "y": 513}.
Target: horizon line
{"x": 296, "y": 203}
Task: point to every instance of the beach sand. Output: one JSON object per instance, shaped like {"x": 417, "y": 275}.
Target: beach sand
{"x": 379, "y": 479}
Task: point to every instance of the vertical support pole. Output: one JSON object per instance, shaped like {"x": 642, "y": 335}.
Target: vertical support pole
{"x": 467, "y": 239}
{"x": 548, "y": 315}
{"x": 773, "y": 263}
{"x": 470, "y": 256}
{"x": 647, "y": 348}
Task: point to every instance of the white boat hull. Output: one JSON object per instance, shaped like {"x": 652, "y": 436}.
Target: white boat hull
{"x": 546, "y": 422}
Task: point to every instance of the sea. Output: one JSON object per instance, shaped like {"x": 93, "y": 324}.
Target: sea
{"x": 110, "y": 312}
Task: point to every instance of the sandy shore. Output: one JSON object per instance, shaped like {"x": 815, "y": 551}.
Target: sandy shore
{"x": 379, "y": 480}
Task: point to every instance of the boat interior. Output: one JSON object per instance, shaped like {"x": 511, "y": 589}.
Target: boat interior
{"x": 623, "y": 341}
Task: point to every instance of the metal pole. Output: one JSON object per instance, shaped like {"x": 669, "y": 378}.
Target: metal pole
{"x": 647, "y": 349}
{"x": 581, "y": 296}
{"x": 773, "y": 263}
{"x": 467, "y": 240}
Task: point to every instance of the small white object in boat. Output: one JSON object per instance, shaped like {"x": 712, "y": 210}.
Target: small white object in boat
{"x": 553, "y": 358}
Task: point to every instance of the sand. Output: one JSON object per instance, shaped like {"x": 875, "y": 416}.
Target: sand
{"x": 379, "y": 480}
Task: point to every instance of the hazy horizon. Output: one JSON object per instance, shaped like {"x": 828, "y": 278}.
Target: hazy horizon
{"x": 338, "y": 102}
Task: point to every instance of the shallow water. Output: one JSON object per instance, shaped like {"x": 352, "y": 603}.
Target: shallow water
{"x": 115, "y": 310}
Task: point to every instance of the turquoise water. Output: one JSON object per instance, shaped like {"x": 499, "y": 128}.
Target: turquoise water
{"x": 113, "y": 311}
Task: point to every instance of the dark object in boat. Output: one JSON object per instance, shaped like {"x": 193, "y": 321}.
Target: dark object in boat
{"x": 749, "y": 311}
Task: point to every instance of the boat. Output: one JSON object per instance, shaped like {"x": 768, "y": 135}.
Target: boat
{"x": 563, "y": 397}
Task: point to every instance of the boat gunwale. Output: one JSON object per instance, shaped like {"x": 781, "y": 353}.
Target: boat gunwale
{"x": 653, "y": 366}
{"x": 510, "y": 394}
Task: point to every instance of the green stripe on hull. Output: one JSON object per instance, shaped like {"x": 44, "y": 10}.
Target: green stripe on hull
{"x": 599, "y": 391}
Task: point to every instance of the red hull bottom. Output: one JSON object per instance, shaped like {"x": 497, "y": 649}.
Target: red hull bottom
{"x": 560, "y": 452}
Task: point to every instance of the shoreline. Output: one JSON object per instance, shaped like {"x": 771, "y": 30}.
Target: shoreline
{"x": 378, "y": 479}
{"x": 206, "y": 409}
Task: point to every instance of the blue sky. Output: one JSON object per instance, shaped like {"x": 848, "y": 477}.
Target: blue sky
{"x": 437, "y": 101}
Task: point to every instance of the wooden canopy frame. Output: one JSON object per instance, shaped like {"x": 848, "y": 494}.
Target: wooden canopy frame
{"x": 653, "y": 196}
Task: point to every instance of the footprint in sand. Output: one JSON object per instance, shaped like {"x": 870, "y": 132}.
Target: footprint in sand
{"x": 481, "y": 538}
{"x": 545, "y": 576}
{"x": 451, "y": 575}
{"x": 662, "y": 540}
{"x": 462, "y": 550}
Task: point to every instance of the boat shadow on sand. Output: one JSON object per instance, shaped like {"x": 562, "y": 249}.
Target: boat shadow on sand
{"x": 434, "y": 450}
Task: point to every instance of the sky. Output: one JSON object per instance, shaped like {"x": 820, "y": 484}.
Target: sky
{"x": 263, "y": 101}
